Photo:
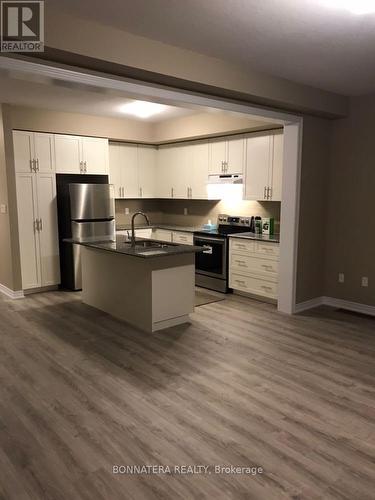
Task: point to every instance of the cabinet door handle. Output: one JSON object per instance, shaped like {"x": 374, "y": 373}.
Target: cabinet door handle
{"x": 123, "y": 192}
{"x": 140, "y": 192}
{"x": 265, "y": 192}
{"x": 172, "y": 192}
{"x": 37, "y": 164}
{"x": 191, "y": 192}
{"x": 35, "y": 225}
{"x": 85, "y": 165}
{"x": 269, "y": 194}
{"x": 81, "y": 166}
{"x": 40, "y": 225}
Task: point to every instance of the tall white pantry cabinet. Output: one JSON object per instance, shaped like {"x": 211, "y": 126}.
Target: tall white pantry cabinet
{"x": 37, "y": 210}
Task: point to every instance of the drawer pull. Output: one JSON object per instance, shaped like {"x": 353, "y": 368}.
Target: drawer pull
{"x": 267, "y": 288}
{"x": 240, "y": 282}
{"x": 267, "y": 267}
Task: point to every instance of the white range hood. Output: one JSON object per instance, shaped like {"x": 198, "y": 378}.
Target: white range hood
{"x": 225, "y": 179}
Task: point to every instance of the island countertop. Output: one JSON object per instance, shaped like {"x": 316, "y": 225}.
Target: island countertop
{"x": 144, "y": 248}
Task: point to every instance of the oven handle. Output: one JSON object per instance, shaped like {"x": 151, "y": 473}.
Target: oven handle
{"x": 209, "y": 240}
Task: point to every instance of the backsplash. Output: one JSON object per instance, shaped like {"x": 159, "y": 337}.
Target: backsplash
{"x": 199, "y": 211}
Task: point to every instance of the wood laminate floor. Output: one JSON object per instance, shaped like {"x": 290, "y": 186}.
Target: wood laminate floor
{"x": 241, "y": 385}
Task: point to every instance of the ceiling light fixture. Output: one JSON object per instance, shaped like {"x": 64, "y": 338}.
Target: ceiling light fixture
{"x": 358, "y": 7}
{"x": 142, "y": 109}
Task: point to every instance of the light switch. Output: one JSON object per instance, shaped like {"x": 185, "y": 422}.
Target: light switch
{"x": 3, "y": 208}
{"x": 126, "y": 211}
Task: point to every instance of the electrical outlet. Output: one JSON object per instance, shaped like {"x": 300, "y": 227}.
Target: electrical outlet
{"x": 3, "y": 209}
{"x": 126, "y": 211}
{"x": 341, "y": 278}
{"x": 185, "y": 211}
{"x": 365, "y": 281}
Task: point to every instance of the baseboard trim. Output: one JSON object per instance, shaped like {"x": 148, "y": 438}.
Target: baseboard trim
{"x": 309, "y": 304}
{"x": 11, "y": 293}
{"x": 337, "y": 303}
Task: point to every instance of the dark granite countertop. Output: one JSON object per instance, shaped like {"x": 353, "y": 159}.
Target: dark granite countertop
{"x": 122, "y": 246}
{"x": 260, "y": 237}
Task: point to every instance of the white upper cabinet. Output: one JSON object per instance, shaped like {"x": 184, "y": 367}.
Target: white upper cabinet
{"x": 277, "y": 167}
{"x": 235, "y": 155}
{"x": 33, "y": 152}
{"x": 44, "y": 152}
{"x": 147, "y": 171}
{"x": 164, "y": 162}
{"x": 227, "y": 156}
{"x": 263, "y": 172}
{"x": 198, "y": 170}
{"x": 23, "y": 151}
{"x": 129, "y": 170}
{"x": 115, "y": 169}
{"x": 132, "y": 170}
{"x": 179, "y": 172}
{"x": 258, "y": 162}
{"x": 81, "y": 155}
{"x": 217, "y": 156}
{"x": 68, "y": 154}
{"x": 94, "y": 155}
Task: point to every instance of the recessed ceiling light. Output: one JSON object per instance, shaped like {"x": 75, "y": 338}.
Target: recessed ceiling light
{"x": 358, "y": 7}
{"x": 142, "y": 109}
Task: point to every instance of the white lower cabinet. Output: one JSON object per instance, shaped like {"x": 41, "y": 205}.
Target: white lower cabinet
{"x": 162, "y": 235}
{"x": 254, "y": 267}
{"x": 38, "y": 233}
{"x": 182, "y": 238}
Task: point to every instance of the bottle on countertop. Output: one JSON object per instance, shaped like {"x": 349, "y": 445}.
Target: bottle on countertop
{"x": 258, "y": 225}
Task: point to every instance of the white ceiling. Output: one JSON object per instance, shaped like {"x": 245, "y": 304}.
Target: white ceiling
{"x": 59, "y": 97}
{"x": 300, "y": 40}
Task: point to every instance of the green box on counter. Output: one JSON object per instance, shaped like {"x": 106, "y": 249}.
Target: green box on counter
{"x": 268, "y": 225}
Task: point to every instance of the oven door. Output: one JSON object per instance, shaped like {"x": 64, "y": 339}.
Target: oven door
{"x": 213, "y": 260}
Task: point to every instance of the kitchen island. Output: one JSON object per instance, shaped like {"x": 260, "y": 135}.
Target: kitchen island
{"x": 150, "y": 285}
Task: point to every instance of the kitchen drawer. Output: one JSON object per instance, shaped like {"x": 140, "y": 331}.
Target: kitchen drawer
{"x": 253, "y": 285}
{"x": 254, "y": 265}
{"x": 266, "y": 248}
{"x": 242, "y": 245}
{"x": 183, "y": 238}
{"x": 144, "y": 233}
{"x": 162, "y": 235}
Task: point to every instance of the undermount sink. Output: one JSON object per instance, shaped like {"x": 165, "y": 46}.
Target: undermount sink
{"x": 149, "y": 244}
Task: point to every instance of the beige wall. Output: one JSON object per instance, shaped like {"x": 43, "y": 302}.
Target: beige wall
{"x": 313, "y": 208}
{"x": 125, "y": 129}
{"x": 6, "y": 263}
{"x": 205, "y": 124}
{"x": 150, "y": 60}
{"x": 44, "y": 120}
{"x": 351, "y": 205}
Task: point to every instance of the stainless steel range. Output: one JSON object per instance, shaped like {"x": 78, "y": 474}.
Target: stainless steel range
{"x": 211, "y": 265}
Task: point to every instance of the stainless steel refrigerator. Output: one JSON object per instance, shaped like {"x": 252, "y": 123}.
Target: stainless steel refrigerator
{"x": 87, "y": 214}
